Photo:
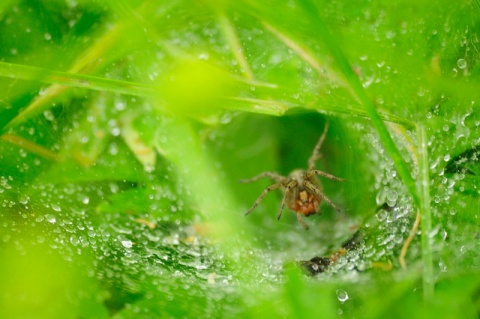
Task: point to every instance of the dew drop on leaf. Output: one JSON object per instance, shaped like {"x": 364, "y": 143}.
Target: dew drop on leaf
{"x": 50, "y": 218}
{"x": 127, "y": 243}
{"x": 74, "y": 240}
{"x": 461, "y": 63}
{"x": 24, "y": 200}
{"x": 49, "y": 115}
{"x": 342, "y": 295}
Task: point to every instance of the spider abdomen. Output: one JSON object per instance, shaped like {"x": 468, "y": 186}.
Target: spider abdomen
{"x": 300, "y": 199}
{"x": 305, "y": 203}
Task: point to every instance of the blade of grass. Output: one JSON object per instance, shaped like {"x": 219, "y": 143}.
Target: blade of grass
{"x": 63, "y": 80}
{"x": 312, "y": 13}
{"x": 60, "y": 82}
{"x": 30, "y": 146}
{"x": 262, "y": 106}
{"x": 30, "y": 73}
{"x": 237, "y": 50}
{"x": 306, "y": 55}
{"x": 426, "y": 215}
{"x": 178, "y": 142}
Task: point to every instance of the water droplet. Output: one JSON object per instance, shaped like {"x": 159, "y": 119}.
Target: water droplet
{"x": 444, "y": 234}
{"x": 49, "y": 115}
{"x": 56, "y": 208}
{"x": 451, "y": 183}
{"x": 392, "y": 195}
{"x": 203, "y": 56}
{"x": 442, "y": 266}
{"x": 390, "y": 34}
{"x": 149, "y": 168}
{"x": 115, "y": 131}
{"x": 433, "y": 232}
{"x": 24, "y": 200}
{"x": 382, "y": 215}
{"x": 342, "y": 295}
{"x": 50, "y": 218}
{"x": 47, "y": 36}
{"x": 74, "y": 240}
{"x": 461, "y": 63}
{"x": 120, "y": 105}
{"x": 127, "y": 243}
{"x": 86, "y": 200}
{"x": 113, "y": 149}
{"x": 391, "y": 174}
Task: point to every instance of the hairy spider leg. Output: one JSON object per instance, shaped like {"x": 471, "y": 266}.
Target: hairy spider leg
{"x": 288, "y": 187}
{"x": 311, "y": 187}
{"x": 316, "y": 151}
{"x": 301, "y": 221}
{"x": 329, "y": 176}
{"x": 275, "y": 176}
{"x": 264, "y": 193}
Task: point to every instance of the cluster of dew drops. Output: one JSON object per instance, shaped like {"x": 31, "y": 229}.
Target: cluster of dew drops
{"x": 392, "y": 220}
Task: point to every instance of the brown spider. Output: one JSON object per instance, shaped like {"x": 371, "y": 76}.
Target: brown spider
{"x": 302, "y": 190}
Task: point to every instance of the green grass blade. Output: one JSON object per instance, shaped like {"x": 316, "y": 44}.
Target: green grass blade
{"x": 313, "y": 15}
{"x": 425, "y": 211}
{"x": 30, "y": 73}
{"x": 60, "y": 82}
{"x": 232, "y": 39}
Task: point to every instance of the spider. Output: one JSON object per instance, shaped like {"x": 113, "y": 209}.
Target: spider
{"x": 302, "y": 191}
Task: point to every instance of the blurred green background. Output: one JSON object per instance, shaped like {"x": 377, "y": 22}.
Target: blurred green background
{"x": 127, "y": 125}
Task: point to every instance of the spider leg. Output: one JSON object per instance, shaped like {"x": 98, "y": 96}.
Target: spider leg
{"x": 311, "y": 187}
{"x": 316, "y": 151}
{"x": 318, "y": 172}
{"x": 264, "y": 193}
{"x": 301, "y": 221}
{"x": 272, "y": 175}
{"x": 289, "y": 186}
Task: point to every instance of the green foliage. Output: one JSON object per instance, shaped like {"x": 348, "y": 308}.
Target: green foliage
{"x": 126, "y": 127}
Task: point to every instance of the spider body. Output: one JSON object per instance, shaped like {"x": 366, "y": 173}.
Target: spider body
{"x": 302, "y": 191}
{"x": 301, "y": 198}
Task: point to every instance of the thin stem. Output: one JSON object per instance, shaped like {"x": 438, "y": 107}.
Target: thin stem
{"x": 30, "y": 146}
{"x": 31, "y": 73}
{"x": 408, "y": 241}
{"x": 237, "y": 50}
{"x": 305, "y": 54}
{"x": 426, "y": 215}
